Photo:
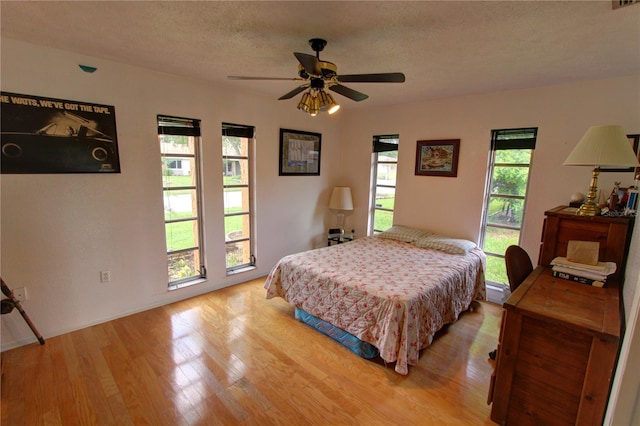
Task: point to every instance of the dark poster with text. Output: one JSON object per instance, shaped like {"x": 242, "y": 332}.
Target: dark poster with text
{"x": 45, "y": 135}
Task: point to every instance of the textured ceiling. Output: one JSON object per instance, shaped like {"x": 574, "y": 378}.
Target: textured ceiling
{"x": 444, "y": 48}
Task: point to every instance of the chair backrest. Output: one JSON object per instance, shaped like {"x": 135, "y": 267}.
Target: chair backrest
{"x": 518, "y": 264}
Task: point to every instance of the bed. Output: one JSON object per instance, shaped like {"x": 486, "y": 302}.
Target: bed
{"x": 393, "y": 291}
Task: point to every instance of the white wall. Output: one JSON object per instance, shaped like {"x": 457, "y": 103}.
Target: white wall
{"x": 59, "y": 231}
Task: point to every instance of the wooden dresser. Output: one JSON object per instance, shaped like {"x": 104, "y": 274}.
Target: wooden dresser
{"x": 559, "y": 339}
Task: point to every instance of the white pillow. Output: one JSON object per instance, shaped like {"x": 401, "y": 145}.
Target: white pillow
{"x": 403, "y": 233}
{"x": 446, "y": 244}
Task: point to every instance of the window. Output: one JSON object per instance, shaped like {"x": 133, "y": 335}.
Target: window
{"x": 237, "y": 146}
{"x": 505, "y": 196}
{"x": 180, "y": 150}
{"x": 176, "y": 165}
{"x": 384, "y": 167}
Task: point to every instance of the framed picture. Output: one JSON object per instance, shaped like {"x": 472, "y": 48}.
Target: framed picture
{"x": 47, "y": 135}
{"x": 633, "y": 141}
{"x": 438, "y": 158}
{"x": 299, "y": 153}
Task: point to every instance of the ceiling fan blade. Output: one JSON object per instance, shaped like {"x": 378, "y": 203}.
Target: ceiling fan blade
{"x": 391, "y": 77}
{"x": 294, "y": 92}
{"x": 240, "y": 77}
{"x": 309, "y": 62}
{"x": 349, "y": 93}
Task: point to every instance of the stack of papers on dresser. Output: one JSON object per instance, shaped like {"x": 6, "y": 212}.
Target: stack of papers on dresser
{"x": 594, "y": 275}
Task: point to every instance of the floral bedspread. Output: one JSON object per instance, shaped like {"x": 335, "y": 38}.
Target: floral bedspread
{"x": 391, "y": 294}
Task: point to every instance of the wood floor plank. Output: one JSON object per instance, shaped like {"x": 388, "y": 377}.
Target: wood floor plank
{"x": 232, "y": 357}
{"x": 91, "y": 361}
{"x": 12, "y": 388}
{"x": 123, "y": 370}
{"x": 60, "y": 384}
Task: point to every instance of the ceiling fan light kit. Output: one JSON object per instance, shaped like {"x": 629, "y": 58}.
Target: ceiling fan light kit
{"x": 320, "y": 75}
{"x": 316, "y": 100}
{"x": 305, "y": 103}
{"x": 309, "y": 104}
{"x": 327, "y": 103}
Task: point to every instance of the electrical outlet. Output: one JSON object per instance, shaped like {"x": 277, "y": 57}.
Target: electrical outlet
{"x": 105, "y": 276}
{"x": 20, "y": 294}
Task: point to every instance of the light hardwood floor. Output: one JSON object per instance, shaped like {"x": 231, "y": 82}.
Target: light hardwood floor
{"x": 232, "y": 357}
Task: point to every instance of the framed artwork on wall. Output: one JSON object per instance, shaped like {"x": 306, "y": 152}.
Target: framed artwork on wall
{"x": 46, "y": 135}
{"x": 437, "y": 157}
{"x": 299, "y": 153}
{"x": 634, "y": 141}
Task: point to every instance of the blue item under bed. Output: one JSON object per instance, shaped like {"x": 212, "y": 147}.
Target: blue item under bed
{"x": 346, "y": 339}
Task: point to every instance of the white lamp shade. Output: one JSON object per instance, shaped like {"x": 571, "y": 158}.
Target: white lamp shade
{"x": 603, "y": 146}
{"x": 341, "y": 198}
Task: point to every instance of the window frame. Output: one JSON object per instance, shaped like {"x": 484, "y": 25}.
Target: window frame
{"x": 248, "y": 133}
{"x": 381, "y": 144}
{"x": 506, "y": 139}
{"x": 180, "y": 126}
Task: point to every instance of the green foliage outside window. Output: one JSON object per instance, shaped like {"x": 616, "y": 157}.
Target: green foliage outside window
{"x": 506, "y": 208}
{"x": 384, "y": 219}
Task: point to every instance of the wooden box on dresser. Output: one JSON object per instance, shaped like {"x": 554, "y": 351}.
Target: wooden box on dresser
{"x": 559, "y": 339}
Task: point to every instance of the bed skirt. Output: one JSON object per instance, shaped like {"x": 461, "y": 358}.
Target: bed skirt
{"x": 346, "y": 339}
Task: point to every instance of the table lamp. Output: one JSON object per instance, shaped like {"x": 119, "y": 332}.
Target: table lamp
{"x": 341, "y": 201}
{"x": 602, "y": 146}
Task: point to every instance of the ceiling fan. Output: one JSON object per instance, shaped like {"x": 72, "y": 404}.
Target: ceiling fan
{"x": 319, "y": 75}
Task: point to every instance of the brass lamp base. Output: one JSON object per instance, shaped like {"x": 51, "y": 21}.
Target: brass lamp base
{"x": 590, "y": 208}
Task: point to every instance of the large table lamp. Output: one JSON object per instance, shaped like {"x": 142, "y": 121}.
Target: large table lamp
{"x": 340, "y": 202}
{"x": 602, "y": 146}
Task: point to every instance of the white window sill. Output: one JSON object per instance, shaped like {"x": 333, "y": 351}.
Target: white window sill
{"x": 496, "y": 292}
{"x": 240, "y": 270}
{"x": 187, "y": 284}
